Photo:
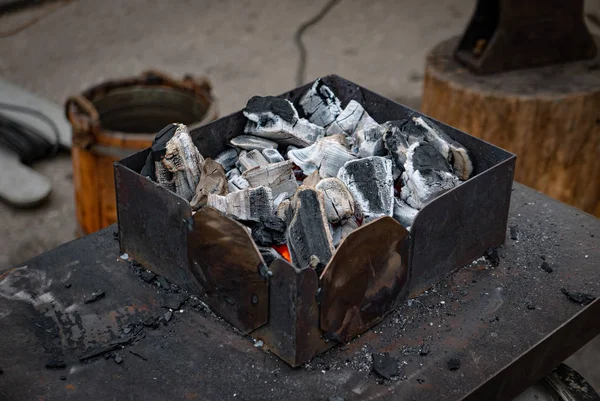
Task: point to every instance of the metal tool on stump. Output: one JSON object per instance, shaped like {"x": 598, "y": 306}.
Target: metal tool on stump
{"x": 531, "y": 86}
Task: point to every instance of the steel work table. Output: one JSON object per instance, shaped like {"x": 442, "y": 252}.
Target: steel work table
{"x": 508, "y": 325}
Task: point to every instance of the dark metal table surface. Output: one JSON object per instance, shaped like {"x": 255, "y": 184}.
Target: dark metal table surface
{"x": 508, "y": 325}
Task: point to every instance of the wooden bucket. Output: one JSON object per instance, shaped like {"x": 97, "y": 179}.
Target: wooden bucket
{"x": 117, "y": 118}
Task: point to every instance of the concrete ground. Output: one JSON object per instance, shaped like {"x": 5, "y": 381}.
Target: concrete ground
{"x": 245, "y": 48}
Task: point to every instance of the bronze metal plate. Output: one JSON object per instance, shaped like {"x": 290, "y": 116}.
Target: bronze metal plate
{"x": 293, "y": 332}
{"x": 365, "y": 278}
{"x": 224, "y": 259}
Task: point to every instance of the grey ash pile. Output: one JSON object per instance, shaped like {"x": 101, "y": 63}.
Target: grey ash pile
{"x": 307, "y": 177}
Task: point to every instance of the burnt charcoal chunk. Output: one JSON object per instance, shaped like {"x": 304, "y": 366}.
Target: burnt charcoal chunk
{"x": 546, "y": 267}
{"x": 424, "y": 350}
{"x": 265, "y": 237}
{"x": 275, "y": 105}
{"x": 56, "y": 362}
{"x": 491, "y": 254}
{"x": 514, "y": 233}
{"x": 385, "y": 365}
{"x": 320, "y": 105}
{"x": 94, "y": 297}
{"x": 426, "y": 157}
{"x": 454, "y": 364}
{"x": 308, "y": 233}
{"x": 158, "y": 150}
{"x": 273, "y": 223}
{"x": 578, "y": 297}
{"x": 370, "y": 182}
{"x": 147, "y": 276}
{"x": 174, "y": 301}
{"x": 163, "y": 282}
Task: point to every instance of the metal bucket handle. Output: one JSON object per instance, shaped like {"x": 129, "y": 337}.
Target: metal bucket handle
{"x": 85, "y": 119}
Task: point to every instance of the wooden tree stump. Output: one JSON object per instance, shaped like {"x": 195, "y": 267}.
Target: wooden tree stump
{"x": 549, "y": 117}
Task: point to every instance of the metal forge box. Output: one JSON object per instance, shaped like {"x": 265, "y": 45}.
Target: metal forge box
{"x": 296, "y": 313}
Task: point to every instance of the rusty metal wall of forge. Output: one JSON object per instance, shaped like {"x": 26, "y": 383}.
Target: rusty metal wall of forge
{"x": 474, "y": 217}
{"x": 152, "y": 222}
{"x": 365, "y": 279}
{"x": 224, "y": 259}
{"x": 293, "y": 332}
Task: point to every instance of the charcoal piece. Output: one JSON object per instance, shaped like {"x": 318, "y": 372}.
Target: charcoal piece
{"x": 238, "y": 164}
{"x": 453, "y": 363}
{"x": 578, "y": 297}
{"x": 308, "y": 233}
{"x": 151, "y": 322}
{"x": 403, "y": 213}
{"x": 285, "y": 211}
{"x": 227, "y": 158}
{"x": 158, "y": 150}
{"x": 98, "y": 352}
{"x": 168, "y": 315}
{"x": 63, "y": 378}
{"x": 265, "y": 237}
{"x": 270, "y": 230}
{"x": 56, "y": 362}
{"x": 251, "y": 142}
{"x": 341, "y": 231}
{"x": 212, "y": 181}
{"x": 179, "y": 168}
{"x": 530, "y": 306}
{"x": 277, "y": 176}
{"x": 338, "y": 201}
{"x": 122, "y": 341}
{"x": 424, "y": 350}
{"x": 174, "y": 301}
{"x": 147, "y": 276}
{"x": 67, "y": 285}
{"x": 366, "y": 133}
{"x": 514, "y": 233}
{"x": 449, "y": 148}
{"x": 347, "y": 121}
{"x": 234, "y": 172}
{"x": 546, "y": 267}
{"x": 272, "y": 155}
{"x": 163, "y": 282}
{"x": 368, "y": 139}
{"x": 251, "y": 159}
{"x": 491, "y": 254}
{"x": 312, "y": 180}
{"x": 279, "y": 198}
{"x": 327, "y": 155}
{"x": 273, "y": 223}
{"x": 370, "y": 182}
{"x": 118, "y": 359}
{"x": 385, "y": 365}
{"x": 246, "y": 204}
{"x": 237, "y": 183}
{"x": 398, "y": 137}
{"x": 94, "y": 297}
{"x": 426, "y": 175}
{"x": 274, "y": 105}
{"x": 320, "y": 105}
{"x": 277, "y": 119}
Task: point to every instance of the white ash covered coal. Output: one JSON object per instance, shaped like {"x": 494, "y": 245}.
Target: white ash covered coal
{"x": 302, "y": 179}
